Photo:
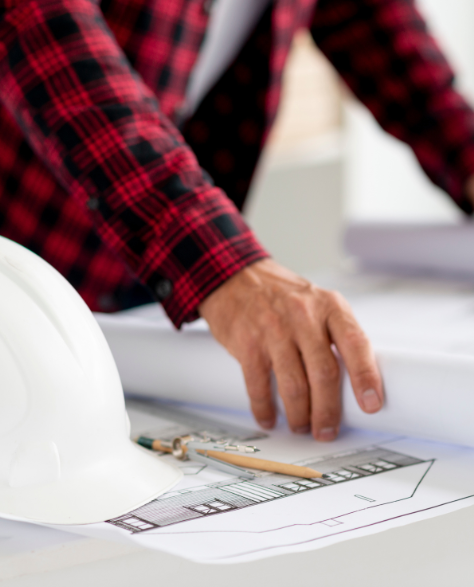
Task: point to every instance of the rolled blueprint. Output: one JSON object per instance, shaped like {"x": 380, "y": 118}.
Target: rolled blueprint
{"x": 428, "y": 395}
{"x": 156, "y": 360}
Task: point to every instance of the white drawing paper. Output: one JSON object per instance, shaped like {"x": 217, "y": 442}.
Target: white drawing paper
{"x": 375, "y": 482}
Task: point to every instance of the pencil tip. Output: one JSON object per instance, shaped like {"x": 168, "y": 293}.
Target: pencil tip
{"x": 324, "y": 476}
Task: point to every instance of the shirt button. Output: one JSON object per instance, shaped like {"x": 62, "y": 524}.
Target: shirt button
{"x": 106, "y": 302}
{"x": 93, "y": 204}
{"x": 163, "y": 289}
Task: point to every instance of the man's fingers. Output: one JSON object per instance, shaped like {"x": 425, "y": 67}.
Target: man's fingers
{"x": 270, "y": 317}
{"x": 257, "y": 374}
{"x": 292, "y": 385}
{"x": 324, "y": 379}
{"x": 358, "y": 356}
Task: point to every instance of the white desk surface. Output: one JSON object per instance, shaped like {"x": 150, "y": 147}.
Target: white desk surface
{"x": 435, "y": 552}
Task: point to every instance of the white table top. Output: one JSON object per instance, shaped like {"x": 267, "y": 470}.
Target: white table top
{"x": 435, "y": 552}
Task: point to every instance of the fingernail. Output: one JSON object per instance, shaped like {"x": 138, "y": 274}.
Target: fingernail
{"x": 329, "y": 433}
{"x": 266, "y": 423}
{"x": 371, "y": 400}
{"x": 302, "y": 429}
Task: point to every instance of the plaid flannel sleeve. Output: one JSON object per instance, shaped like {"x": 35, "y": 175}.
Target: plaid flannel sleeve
{"x": 385, "y": 54}
{"x": 99, "y": 129}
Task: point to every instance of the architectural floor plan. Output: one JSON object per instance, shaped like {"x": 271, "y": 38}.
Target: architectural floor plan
{"x": 372, "y": 482}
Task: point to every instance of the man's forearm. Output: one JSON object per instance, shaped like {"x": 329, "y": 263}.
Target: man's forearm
{"x": 100, "y": 131}
{"x": 385, "y": 53}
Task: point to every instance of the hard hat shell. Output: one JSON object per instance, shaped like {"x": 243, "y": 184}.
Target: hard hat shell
{"x": 65, "y": 452}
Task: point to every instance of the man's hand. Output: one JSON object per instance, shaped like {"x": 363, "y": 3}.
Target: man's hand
{"x": 470, "y": 189}
{"x": 269, "y": 318}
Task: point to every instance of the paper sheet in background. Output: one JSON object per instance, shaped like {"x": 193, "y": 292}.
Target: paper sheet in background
{"x": 441, "y": 250}
{"x": 376, "y": 482}
{"x": 423, "y": 333}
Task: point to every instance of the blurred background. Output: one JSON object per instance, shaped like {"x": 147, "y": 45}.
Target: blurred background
{"x": 327, "y": 163}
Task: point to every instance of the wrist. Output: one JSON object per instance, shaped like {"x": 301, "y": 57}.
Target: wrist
{"x": 259, "y": 279}
{"x": 230, "y": 288}
{"x": 470, "y": 189}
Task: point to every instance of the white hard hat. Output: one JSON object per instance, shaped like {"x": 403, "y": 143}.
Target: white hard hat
{"x": 65, "y": 452}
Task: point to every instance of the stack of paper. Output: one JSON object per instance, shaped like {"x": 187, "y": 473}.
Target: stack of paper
{"x": 441, "y": 250}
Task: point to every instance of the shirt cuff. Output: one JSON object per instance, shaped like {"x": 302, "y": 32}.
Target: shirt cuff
{"x": 465, "y": 172}
{"x": 197, "y": 254}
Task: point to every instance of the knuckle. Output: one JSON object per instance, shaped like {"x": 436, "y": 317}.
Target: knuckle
{"x": 250, "y": 339}
{"x": 246, "y": 354}
{"x": 274, "y": 325}
{"x": 355, "y": 339}
{"x": 328, "y": 373}
{"x": 337, "y": 306}
{"x": 299, "y": 301}
{"x": 247, "y": 347}
{"x": 334, "y": 299}
{"x": 295, "y": 390}
{"x": 254, "y": 368}
{"x": 259, "y": 395}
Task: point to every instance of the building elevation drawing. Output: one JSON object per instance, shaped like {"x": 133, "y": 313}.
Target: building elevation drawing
{"x": 372, "y": 482}
{"x": 227, "y": 496}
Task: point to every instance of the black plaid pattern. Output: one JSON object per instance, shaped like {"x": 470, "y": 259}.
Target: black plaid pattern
{"x": 226, "y": 132}
{"x": 107, "y": 190}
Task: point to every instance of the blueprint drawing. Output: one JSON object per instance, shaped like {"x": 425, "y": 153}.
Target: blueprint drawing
{"x": 373, "y": 482}
{"x": 235, "y": 494}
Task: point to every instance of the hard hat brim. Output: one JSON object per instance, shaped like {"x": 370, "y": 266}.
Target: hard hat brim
{"x": 129, "y": 478}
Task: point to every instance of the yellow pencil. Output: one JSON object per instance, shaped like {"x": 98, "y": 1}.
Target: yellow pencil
{"x": 239, "y": 460}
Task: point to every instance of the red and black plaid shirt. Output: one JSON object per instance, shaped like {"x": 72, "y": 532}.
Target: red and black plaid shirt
{"x": 96, "y": 178}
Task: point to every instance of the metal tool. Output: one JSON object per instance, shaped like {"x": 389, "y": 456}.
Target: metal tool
{"x": 222, "y": 455}
{"x": 183, "y": 447}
